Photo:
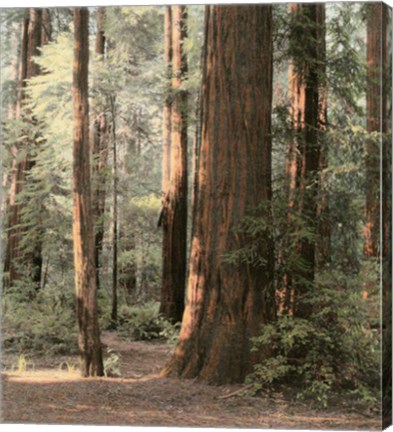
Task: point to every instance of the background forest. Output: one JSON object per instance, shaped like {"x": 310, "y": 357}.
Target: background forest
{"x": 232, "y": 153}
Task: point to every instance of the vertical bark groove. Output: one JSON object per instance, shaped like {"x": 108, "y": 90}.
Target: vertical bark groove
{"x": 304, "y": 158}
{"x": 83, "y": 232}
{"x": 376, "y": 103}
{"x": 175, "y": 202}
{"x": 227, "y": 303}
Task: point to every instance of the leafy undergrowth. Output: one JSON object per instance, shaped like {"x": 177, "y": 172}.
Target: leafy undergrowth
{"x": 50, "y": 390}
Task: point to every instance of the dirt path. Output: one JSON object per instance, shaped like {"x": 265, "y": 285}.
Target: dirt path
{"x": 48, "y": 394}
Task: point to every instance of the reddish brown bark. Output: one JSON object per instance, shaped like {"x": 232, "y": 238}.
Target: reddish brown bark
{"x": 166, "y": 138}
{"x": 386, "y": 252}
{"x": 228, "y": 303}
{"x": 19, "y": 262}
{"x": 100, "y": 150}
{"x": 174, "y": 217}
{"x": 304, "y": 158}
{"x": 83, "y": 233}
{"x": 376, "y": 107}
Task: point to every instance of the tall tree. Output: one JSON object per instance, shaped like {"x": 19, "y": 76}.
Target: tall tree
{"x": 19, "y": 262}
{"x": 83, "y": 232}
{"x": 12, "y": 222}
{"x": 304, "y": 158}
{"x": 100, "y": 150}
{"x": 323, "y": 229}
{"x": 166, "y": 135}
{"x": 115, "y": 218}
{"x": 386, "y": 198}
{"x": 228, "y": 303}
{"x": 174, "y": 216}
{"x": 376, "y": 110}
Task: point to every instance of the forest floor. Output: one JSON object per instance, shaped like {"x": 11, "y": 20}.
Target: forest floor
{"x": 49, "y": 392}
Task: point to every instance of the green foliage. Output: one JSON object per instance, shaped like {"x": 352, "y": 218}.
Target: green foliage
{"x": 43, "y": 326}
{"x": 335, "y": 351}
{"x": 144, "y": 322}
{"x": 112, "y": 363}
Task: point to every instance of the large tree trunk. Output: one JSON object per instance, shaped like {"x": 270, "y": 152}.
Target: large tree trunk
{"x": 83, "y": 233}
{"x": 19, "y": 262}
{"x": 175, "y": 203}
{"x": 304, "y": 161}
{"x": 376, "y": 110}
{"x": 100, "y": 150}
{"x": 228, "y": 301}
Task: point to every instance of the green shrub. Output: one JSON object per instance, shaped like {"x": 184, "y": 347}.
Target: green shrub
{"x": 336, "y": 350}
{"x": 46, "y": 325}
{"x": 144, "y": 322}
{"x": 112, "y": 363}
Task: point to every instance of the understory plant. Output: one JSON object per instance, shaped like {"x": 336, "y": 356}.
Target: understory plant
{"x": 336, "y": 350}
{"x": 144, "y": 322}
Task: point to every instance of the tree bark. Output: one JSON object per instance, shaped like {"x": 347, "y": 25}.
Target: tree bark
{"x": 15, "y": 112}
{"x": 115, "y": 219}
{"x": 175, "y": 203}
{"x": 376, "y": 110}
{"x": 21, "y": 263}
{"x": 83, "y": 232}
{"x": 100, "y": 144}
{"x": 227, "y": 303}
{"x": 304, "y": 160}
{"x": 386, "y": 54}
{"x": 324, "y": 231}
{"x": 166, "y": 138}
{"x": 46, "y": 33}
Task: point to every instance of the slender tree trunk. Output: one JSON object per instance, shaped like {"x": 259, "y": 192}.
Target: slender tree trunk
{"x": 166, "y": 138}
{"x": 100, "y": 144}
{"x": 304, "y": 153}
{"x": 228, "y": 303}
{"x": 115, "y": 219}
{"x": 8, "y": 208}
{"x": 175, "y": 203}
{"x": 83, "y": 232}
{"x": 20, "y": 263}
{"x": 386, "y": 54}
{"x": 376, "y": 110}
{"x": 46, "y": 33}
{"x": 323, "y": 240}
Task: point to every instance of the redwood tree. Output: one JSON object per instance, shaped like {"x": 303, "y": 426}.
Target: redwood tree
{"x": 386, "y": 198}
{"x": 19, "y": 261}
{"x": 228, "y": 300}
{"x": 174, "y": 213}
{"x": 304, "y": 160}
{"x": 376, "y": 110}
{"x": 100, "y": 150}
{"x": 83, "y": 232}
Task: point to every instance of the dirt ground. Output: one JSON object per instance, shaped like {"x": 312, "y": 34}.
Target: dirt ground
{"x": 49, "y": 391}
